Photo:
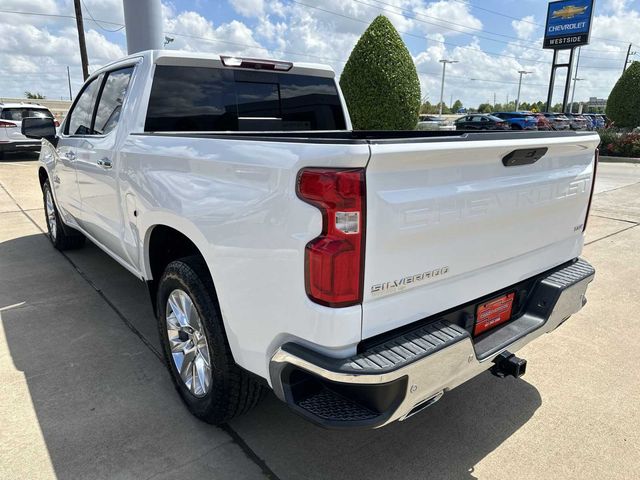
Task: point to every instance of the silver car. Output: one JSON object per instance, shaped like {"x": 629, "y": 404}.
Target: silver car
{"x": 432, "y": 122}
{"x": 11, "y": 115}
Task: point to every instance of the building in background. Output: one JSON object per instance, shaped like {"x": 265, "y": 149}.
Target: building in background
{"x": 595, "y": 105}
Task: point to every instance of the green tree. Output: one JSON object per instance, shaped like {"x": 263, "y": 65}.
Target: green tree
{"x": 36, "y": 95}
{"x": 623, "y": 105}
{"x": 426, "y": 107}
{"x": 457, "y": 105}
{"x": 540, "y": 106}
{"x": 445, "y": 109}
{"x": 380, "y": 82}
{"x": 485, "y": 108}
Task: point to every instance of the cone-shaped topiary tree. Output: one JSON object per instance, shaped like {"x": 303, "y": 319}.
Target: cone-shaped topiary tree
{"x": 623, "y": 104}
{"x": 379, "y": 81}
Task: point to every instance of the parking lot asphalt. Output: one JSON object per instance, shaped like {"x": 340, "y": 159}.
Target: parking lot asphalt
{"x": 84, "y": 394}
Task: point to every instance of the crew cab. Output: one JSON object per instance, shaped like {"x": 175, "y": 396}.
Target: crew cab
{"x": 358, "y": 274}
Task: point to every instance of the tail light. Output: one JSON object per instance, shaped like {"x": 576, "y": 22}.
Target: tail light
{"x": 593, "y": 184}
{"x": 7, "y": 124}
{"x": 334, "y": 260}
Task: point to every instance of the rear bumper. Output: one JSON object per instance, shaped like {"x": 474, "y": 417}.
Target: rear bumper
{"x": 399, "y": 377}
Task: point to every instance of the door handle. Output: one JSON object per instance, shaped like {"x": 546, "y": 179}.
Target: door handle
{"x": 70, "y": 156}
{"x": 105, "y": 163}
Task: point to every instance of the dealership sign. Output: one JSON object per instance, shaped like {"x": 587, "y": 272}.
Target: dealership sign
{"x": 568, "y": 24}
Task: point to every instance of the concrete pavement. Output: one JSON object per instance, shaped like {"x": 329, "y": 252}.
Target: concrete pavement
{"x": 84, "y": 395}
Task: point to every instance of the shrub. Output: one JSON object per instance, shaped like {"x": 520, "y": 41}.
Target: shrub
{"x": 380, "y": 82}
{"x": 608, "y": 136}
{"x": 623, "y": 104}
{"x": 619, "y": 144}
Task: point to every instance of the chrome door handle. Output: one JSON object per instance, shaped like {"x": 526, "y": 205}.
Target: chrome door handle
{"x": 105, "y": 163}
{"x": 70, "y": 156}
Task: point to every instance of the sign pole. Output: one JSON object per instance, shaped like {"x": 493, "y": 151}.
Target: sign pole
{"x": 567, "y": 83}
{"x": 568, "y": 26}
{"x": 552, "y": 79}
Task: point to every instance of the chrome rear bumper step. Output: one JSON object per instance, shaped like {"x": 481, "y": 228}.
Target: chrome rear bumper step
{"x": 392, "y": 380}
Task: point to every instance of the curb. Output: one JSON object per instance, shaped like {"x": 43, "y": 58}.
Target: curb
{"x": 608, "y": 159}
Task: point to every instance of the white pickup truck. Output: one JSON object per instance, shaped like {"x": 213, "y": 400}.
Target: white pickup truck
{"x": 358, "y": 274}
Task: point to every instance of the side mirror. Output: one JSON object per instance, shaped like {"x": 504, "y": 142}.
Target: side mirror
{"x": 38, "y": 127}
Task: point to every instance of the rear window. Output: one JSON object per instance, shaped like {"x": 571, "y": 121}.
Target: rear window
{"x": 214, "y": 99}
{"x": 17, "y": 114}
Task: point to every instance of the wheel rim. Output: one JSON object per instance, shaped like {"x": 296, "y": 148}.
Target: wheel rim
{"x": 188, "y": 343}
{"x": 51, "y": 215}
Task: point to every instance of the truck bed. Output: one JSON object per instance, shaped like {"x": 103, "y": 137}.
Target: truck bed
{"x": 376, "y": 136}
{"x": 443, "y": 202}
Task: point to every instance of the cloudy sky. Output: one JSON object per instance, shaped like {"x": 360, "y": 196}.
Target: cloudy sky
{"x": 491, "y": 40}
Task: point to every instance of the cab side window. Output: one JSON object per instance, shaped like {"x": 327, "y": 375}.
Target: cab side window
{"x": 111, "y": 99}
{"x": 79, "y": 122}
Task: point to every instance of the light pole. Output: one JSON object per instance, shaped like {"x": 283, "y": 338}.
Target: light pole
{"x": 626, "y": 60}
{"x": 521, "y": 72}
{"x": 69, "y": 80}
{"x": 575, "y": 79}
{"x": 444, "y": 66}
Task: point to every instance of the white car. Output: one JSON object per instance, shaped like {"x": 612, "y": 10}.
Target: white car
{"x": 11, "y": 115}
{"x": 359, "y": 274}
{"x": 431, "y": 122}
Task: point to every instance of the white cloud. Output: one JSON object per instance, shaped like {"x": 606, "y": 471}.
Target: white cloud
{"x": 248, "y": 8}
{"x": 105, "y": 10}
{"x": 447, "y": 18}
{"x": 101, "y": 50}
{"x": 525, "y": 28}
{"x": 192, "y": 32}
{"x": 617, "y": 7}
{"x": 49, "y": 7}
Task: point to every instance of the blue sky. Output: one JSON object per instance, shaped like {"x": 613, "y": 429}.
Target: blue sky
{"x": 491, "y": 40}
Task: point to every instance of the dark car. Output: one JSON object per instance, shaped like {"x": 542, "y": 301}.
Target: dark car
{"x": 480, "y": 122}
{"x": 577, "y": 121}
{"x": 558, "y": 120}
{"x": 518, "y": 120}
{"x": 542, "y": 122}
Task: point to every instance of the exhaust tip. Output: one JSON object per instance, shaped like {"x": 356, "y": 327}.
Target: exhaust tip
{"x": 507, "y": 364}
{"x": 423, "y": 404}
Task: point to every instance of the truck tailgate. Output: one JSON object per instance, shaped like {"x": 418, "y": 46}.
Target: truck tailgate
{"x": 448, "y": 222}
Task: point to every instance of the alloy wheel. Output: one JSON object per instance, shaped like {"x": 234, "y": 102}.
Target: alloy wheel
{"x": 51, "y": 215}
{"x": 188, "y": 343}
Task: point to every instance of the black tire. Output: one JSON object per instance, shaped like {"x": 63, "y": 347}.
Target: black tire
{"x": 62, "y": 237}
{"x": 233, "y": 391}
{"x": 515, "y": 126}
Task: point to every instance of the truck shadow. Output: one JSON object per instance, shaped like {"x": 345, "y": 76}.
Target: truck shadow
{"x": 445, "y": 441}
